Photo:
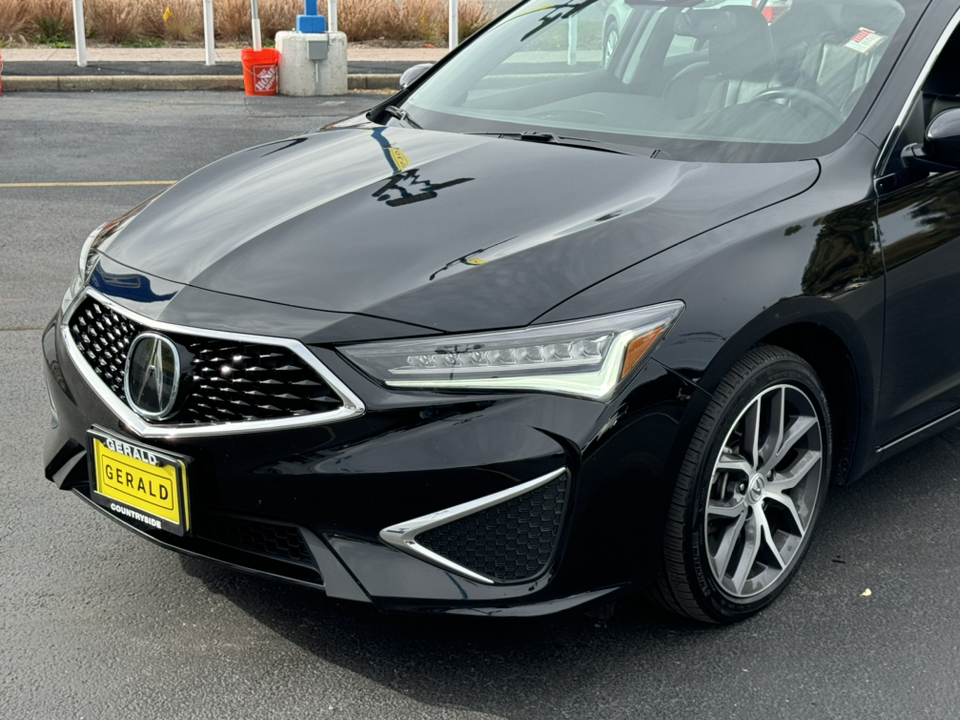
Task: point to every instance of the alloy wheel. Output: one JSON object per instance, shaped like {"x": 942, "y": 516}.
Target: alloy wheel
{"x": 763, "y": 491}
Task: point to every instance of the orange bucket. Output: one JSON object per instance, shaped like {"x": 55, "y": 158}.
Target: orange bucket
{"x": 260, "y": 75}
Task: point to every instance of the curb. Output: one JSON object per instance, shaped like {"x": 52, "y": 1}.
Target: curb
{"x": 373, "y": 82}
{"x": 80, "y": 83}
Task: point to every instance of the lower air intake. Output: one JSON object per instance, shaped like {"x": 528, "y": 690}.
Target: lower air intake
{"x": 283, "y": 542}
{"x": 509, "y": 542}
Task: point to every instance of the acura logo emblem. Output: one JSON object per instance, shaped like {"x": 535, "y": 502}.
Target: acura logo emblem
{"x": 152, "y": 375}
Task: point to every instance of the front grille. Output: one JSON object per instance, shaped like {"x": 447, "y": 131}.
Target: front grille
{"x": 510, "y": 542}
{"x": 223, "y": 381}
{"x": 283, "y": 542}
{"x": 104, "y": 338}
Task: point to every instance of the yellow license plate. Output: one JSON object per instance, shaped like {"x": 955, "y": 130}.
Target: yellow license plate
{"x": 139, "y": 483}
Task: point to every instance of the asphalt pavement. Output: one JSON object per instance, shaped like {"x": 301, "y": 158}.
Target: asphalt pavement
{"x": 96, "y": 623}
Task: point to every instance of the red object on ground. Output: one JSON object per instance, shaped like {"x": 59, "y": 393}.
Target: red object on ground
{"x": 260, "y": 74}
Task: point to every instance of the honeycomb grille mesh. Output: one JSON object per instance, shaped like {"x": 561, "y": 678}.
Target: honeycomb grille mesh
{"x": 104, "y": 337}
{"x": 224, "y": 380}
{"x": 234, "y": 381}
{"x": 283, "y": 542}
{"x": 510, "y": 542}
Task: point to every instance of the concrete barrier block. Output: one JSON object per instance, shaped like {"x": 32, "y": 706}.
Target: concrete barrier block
{"x": 333, "y": 70}
{"x": 302, "y": 77}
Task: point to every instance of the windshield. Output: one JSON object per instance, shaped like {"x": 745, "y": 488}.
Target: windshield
{"x": 724, "y": 80}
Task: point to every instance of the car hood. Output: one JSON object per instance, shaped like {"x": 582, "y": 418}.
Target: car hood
{"x": 448, "y": 231}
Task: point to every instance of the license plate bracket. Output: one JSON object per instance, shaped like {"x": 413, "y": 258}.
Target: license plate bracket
{"x": 138, "y": 482}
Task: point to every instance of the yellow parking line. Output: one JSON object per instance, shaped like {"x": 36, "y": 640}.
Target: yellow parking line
{"x": 86, "y": 184}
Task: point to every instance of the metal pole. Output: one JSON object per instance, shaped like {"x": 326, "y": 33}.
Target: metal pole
{"x": 572, "y": 28}
{"x": 332, "y": 15}
{"x": 79, "y": 33}
{"x": 454, "y": 34}
{"x": 208, "y": 32}
{"x": 257, "y": 45}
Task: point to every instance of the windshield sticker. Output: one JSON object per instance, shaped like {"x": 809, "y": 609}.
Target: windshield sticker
{"x": 865, "y": 41}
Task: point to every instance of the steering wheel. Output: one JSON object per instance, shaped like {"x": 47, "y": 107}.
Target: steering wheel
{"x": 804, "y": 96}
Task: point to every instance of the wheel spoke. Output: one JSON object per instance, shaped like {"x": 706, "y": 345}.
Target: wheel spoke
{"x": 787, "y": 503}
{"x": 751, "y": 547}
{"x": 768, "y": 542}
{"x": 726, "y": 510}
{"x": 721, "y": 560}
{"x": 798, "y": 427}
{"x": 751, "y": 433}
{"x": 799, "y": 470}
{"x": 733, "y": 462}
{"x": 775, "y": 426}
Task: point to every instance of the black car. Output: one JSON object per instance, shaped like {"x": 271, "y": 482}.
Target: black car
{"x": 550, "y": 324}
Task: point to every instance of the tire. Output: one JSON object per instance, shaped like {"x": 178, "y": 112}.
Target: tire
{"x": 750, "y": 490}
{"x": 611, "y": 37}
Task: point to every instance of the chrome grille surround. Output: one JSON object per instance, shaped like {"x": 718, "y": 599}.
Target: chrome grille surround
{"x": 351, "y": 405}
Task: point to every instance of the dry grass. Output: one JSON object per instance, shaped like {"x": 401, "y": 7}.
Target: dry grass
{"x": 114, "y": 21}
{"x": 13, "y": 19}
{"x": 126, "y": 21}
{"x": 184, "y": 21}
{"x": 232, "y": 18}
{"x": 424, "y": 20}
{"x": 36, "y": 20}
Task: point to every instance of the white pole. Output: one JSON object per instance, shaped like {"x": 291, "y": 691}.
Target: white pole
{"x": 331, "y": 15}
{"x": 572, "y": 40}
{"x": 454, "y": 34}
{"x": 256, "y": 26}
{"x": 208, "y": 32}
{"x": 79, "y": 33}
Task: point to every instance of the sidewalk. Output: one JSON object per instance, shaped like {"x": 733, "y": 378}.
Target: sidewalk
{"x": 182, "y": 68}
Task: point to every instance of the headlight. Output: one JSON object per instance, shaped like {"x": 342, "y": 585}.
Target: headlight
{"x": 88, "y": 254}
{"x": 587, "y": 358}
{"x": 88, "y": 258}
{"x": 93, "y": 243}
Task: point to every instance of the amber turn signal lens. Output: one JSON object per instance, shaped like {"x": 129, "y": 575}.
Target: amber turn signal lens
{"x": 637, "y": 350}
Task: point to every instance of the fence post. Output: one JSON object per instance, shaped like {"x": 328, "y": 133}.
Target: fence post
{"x": 454, "y": 34}
{"x": 255, "y": 26}
{"x": 572, "y": 28}
{"x": 79, "y": 33}
{"x": 332, "y": 15}
{"x": 208, "y": 32}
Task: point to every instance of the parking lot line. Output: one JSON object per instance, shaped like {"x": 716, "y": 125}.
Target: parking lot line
{"x": 107, "y": 183}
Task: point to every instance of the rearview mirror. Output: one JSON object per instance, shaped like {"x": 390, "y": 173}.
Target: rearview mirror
{"x": 411, "y": 75}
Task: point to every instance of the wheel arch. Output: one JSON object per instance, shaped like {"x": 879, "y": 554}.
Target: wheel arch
{"x": 830, "y": 341}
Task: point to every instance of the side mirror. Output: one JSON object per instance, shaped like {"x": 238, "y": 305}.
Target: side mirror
{"x": 940, "y": 151}
{"x": 942, "y": 140}
{"x": 411, "y": 75}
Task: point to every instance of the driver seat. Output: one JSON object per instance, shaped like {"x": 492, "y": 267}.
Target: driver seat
{"x": 741, "y": 60}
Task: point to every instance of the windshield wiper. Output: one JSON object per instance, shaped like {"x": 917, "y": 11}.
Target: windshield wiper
{"x": 551, "y": 138}
{"x": 402, "y": 115}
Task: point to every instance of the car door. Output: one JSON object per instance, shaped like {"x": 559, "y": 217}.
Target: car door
{"x": 919, "y": 222}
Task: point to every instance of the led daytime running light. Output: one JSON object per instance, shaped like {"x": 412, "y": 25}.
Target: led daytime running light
{"x": 586, "y": 358}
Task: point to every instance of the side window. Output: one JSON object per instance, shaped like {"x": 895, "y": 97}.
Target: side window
{"x": 615, "y": 19}
{"x": 681, "y": 45}
{"x": 940, "y": 91}
{"x": 772, "y": 10}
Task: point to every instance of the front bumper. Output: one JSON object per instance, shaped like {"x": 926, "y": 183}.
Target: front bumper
{"x": 316, "y": 505}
